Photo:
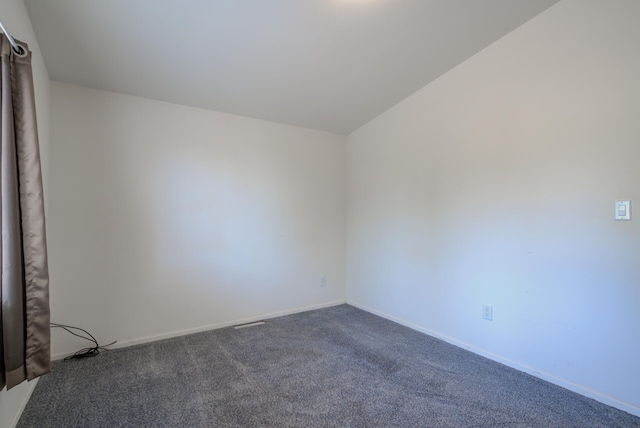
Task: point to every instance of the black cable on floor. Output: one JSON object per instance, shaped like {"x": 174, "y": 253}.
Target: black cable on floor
{"x": 85, "y": 352}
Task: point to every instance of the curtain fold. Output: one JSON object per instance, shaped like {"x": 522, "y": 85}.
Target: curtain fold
{"x": 24, "y": 291}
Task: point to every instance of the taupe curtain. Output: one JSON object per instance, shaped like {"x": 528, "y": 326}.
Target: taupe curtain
{"x": 24, "y": 313}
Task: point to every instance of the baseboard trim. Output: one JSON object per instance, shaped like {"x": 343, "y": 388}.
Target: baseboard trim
{"x": 216, "y": 326}
{"x": 603, "y": 398}
{"x": 31, "y": 386}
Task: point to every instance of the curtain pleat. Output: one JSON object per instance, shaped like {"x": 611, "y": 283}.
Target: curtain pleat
{"x": 24, "y": 313}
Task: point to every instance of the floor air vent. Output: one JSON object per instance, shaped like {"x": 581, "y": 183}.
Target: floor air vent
{"x": 251, "y": 324}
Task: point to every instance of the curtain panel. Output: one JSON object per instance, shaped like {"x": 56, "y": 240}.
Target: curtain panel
{"x": 24, "y": 313}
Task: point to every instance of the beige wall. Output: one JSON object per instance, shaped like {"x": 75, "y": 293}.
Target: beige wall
{"x": 15, "y": 19}
{"x": 495, "y": 184}
{"x": 167, "y": 219}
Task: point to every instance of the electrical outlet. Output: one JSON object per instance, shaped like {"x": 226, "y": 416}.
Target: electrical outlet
{"x": 323, "y": 281}
{"x": 487, "y": 312}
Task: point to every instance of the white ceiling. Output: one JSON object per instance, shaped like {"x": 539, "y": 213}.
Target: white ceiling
{"x": 331, "y": 65}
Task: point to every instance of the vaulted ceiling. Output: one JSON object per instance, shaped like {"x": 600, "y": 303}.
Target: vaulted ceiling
{"x": 330, "y": 65}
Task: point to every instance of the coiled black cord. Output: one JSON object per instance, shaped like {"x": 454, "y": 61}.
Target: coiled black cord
{"x": 85, "y": 352}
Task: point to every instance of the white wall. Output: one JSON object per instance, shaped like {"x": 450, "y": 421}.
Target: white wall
{"x": 168, "y": 219}
{"x": 495, "y": 184}
{"x": 16, "y": 20}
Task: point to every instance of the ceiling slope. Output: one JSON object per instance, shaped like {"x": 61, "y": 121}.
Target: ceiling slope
{"x": 331, "y": 65}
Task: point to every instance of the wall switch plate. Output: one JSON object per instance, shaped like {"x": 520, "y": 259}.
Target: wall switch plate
{"x": 323, "y": 281}
{"x": 623, "y": 210}
{"x": 487, "y": 312}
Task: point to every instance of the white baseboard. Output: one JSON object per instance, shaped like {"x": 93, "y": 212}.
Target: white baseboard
{"x": 14, "y": 405}
{"x": 603, "y": 398}
{"x": 169, "y": 335}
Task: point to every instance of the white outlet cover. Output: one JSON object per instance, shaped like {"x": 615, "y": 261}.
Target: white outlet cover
{"x": 623, "y": 210}
{"x": 487, "y": 312}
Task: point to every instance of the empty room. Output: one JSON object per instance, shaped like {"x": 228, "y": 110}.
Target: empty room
{"x": 320, "y": 213}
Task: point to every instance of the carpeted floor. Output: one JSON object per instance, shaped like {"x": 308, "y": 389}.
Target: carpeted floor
{"x": 334, "y": 367}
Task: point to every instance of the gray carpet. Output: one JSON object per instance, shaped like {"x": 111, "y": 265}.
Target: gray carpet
{"x": 334, "y": 367}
